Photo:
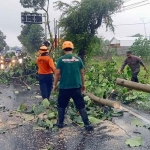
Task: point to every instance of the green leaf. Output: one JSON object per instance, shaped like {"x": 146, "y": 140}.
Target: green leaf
{"x": 49, "y": 123}
{"x": 41, "y": 123}
{"x": 104, "y": 84}
{"x": 94, "y": 120}
{"x": 54, "y": 121}
{"x": 51, "y": 115}
{"x": 86, "y": 98}
{"x": 134, "y": 142}
{"x": 71, "y": 112}
{"x": 78, "y": 120}
{"x": 52, "y": 102}
{"x": 22, "y": 107}
{"x": 46, "y": 103}
{"x": 55, "y": 129}
{"x": 28, "y": 117}
{"x": 137, "y": 123}
{"x": 98, "y": 90}
{"x": 39, "y": 109}
{"x": 88, "y": 83}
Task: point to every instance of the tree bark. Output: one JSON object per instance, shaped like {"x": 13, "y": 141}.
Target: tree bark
{"x": 106, "y": 102}
{"x": 133, "y": 85}
{"x": 81, "y": 54}
{"x": 47, "y": 16}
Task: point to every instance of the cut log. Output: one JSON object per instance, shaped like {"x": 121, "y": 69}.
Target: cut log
{"x": 133, "y": 85}
{"x": 106, "y": 102}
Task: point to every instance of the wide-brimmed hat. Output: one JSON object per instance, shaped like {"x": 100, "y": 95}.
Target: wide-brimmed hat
{"x": 43, "y": 49}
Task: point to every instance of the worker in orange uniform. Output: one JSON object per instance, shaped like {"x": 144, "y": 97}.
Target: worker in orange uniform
{"x": 46, "y": 69}
{"x": 70, "y": 71}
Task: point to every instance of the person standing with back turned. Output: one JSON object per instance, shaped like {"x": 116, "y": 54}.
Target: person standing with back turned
{"x": 70, "y": 71}
{"x": 46, "y": 69}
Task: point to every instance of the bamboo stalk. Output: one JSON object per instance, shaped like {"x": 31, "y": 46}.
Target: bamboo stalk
{"x": 133, "y": 85}
{"x": 106, "y": 102}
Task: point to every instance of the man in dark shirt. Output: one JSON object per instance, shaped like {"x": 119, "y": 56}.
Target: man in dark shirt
{"x": 134, "y": 63}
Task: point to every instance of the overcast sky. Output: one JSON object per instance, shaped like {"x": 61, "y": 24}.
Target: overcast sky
{"x": 10, "y": 20}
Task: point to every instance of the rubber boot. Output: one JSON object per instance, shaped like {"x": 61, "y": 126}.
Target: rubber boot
{"x": 61, "y": 115}
{"x": 85, "y": 119}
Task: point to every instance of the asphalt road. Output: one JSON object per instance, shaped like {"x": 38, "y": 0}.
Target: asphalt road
{"x": 106, "y": 136}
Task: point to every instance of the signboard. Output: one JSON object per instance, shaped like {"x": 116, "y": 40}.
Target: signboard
{"x": 31, "y": 18}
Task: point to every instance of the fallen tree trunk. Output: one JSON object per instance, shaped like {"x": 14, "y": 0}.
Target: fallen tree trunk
{"x": 133, "y": 85}
{"x": 106, "y": 102}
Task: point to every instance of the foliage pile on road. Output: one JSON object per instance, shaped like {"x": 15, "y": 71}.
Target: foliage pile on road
{"x": 45, "y": 113}
{"x": 100, "y": 79}
{"x": 25, "y": 72}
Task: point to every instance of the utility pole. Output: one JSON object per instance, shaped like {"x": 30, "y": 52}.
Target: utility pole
{"x": 58, "y": 35}
{"x": 44, "y": 15}
{"x": 55, "y": 33}
{"x": 144, "y": 27}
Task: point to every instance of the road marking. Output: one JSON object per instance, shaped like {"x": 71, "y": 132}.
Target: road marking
{"x": 135, "y": 114}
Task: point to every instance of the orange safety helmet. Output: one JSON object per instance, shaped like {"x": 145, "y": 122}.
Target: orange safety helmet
{"x": 67, "y": 44}
{"x": 43, "y": 49}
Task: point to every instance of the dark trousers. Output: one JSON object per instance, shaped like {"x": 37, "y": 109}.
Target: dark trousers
{"x": 134, "y": 77}
{"x": 45, "y": 81}
{"x": 65, "y": 95}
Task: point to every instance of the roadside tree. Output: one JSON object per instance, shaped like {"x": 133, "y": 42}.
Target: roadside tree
{"x": 80, "y": 21}
{"x": 31, "y": 37}
{"x": 2, "y": 41}
{"x": 141, "y": 47}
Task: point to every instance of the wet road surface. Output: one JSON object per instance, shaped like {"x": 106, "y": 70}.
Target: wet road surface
{"x": 107, "y": 135}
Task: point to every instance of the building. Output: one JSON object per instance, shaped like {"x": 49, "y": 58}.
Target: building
{"x": 122, "y": 44}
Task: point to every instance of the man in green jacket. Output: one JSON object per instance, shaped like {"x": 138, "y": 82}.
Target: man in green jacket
{"x": 70, "y": 71}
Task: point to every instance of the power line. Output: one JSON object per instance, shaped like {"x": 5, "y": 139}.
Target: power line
{"x": 132, "y": 24}
{"x": 133, "y": 7}
{"x": 135, "y": 4}
{"x": 127, "y": 1}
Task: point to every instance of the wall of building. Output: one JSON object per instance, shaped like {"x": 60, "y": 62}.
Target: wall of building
{"x": 126, "y": 43}
{"x": 122, "y": 50}
{"x": 115, "y": 41}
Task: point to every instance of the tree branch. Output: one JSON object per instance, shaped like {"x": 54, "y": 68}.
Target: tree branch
{"x": 49, "y": 29}
{"x": 99, "y": 21}
{"x": 94, "y": 27}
